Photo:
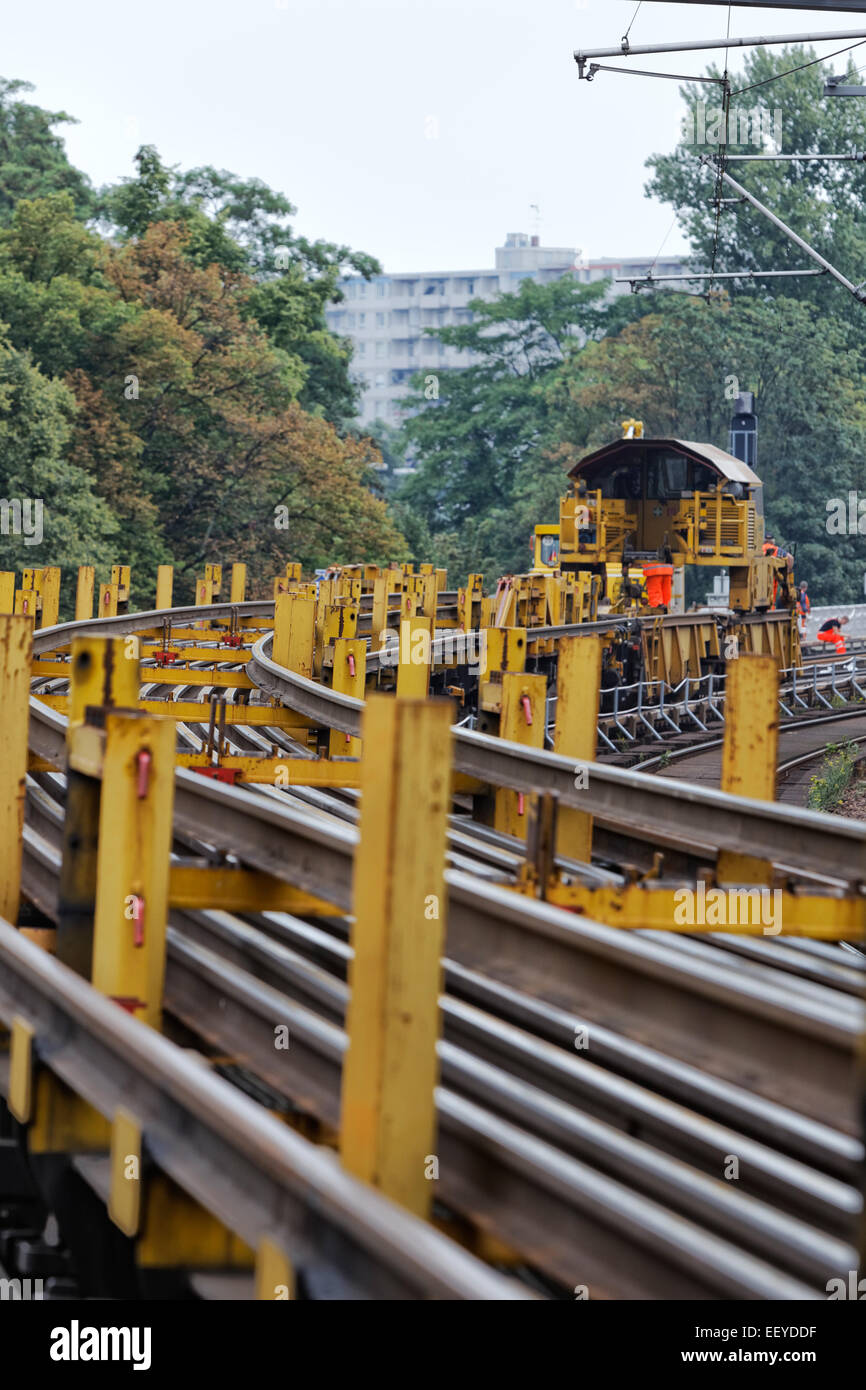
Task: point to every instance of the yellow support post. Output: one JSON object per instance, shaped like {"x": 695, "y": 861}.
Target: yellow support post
{"x": 164, "y": 585}
{"x": 132, "y": 868}
{"x": 203, "y": 592}
{"x": 7, "y": 591}
{"x": 107, "y": 601}
{"x": 524, "y": 700}
{"x": 348, "y": 675}
{"x": 578, "y": 682}
{"x": 120, "y": 575}
{"x": 16, "y": 654}
{"x": 275, "y": 1279}
{"x": 238, "y": 589}
{"x": 49, "y": 587}
{"x": 389, "y": 1073}
{"x": 124, "y": 1202}
{"x": 413, "y": 669}
{"x": 84, "y": 593}
{"x": 379, "y": 624}
{"x": 214, "y": 575}
{"x": 750, "y": 751}
{"x": 294, "y": 633}
{"x": 104, "y": 673}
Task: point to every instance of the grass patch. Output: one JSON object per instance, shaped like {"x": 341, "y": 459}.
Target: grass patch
{"x": 828, "y": 786}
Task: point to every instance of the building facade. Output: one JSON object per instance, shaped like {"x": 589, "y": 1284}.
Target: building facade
{"x": 386, "y": 317}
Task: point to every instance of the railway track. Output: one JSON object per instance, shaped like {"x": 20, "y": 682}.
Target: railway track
{"x": 615, "y": 1152}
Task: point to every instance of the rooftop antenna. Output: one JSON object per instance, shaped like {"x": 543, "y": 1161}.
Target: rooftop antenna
{"x": 535, "y": 213}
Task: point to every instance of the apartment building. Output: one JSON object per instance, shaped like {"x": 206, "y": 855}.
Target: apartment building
{"x": 386, "y": 317}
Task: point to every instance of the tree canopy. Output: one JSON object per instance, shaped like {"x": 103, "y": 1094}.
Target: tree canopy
{"x": 168, "y": 385}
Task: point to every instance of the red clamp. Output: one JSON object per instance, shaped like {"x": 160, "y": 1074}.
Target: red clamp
{"x": 527, "y": 708}
{"x": 144, "y": 762}
{"x": 233, "y": 639}
{"x": 351, "y": 664}
{"x": 219, "y": 774}
{"x": 165, "y": 658}
{"x": 520, "y": 803}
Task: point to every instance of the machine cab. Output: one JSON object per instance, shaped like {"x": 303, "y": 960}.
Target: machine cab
{"x": 689, "y": 503}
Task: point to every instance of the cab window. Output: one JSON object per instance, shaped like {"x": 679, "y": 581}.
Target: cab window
{"x": 549, "y": 550}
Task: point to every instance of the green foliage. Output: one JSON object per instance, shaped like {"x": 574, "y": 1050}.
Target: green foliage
{"x": 824, "y": 202}
{"x": 483, "y": 473}
{"x": 33, "y": 160}
{"x": 36, "y": 414}
{"x": 168, "y": 387}
{"x": 241, "y": 224}
{"x": 828, "y": 787}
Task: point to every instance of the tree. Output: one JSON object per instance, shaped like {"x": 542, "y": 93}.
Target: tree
{"x": 824, "y": 202}
{"x": 241, "y": 224}
{"x": 74, "y": 524}
{"x": 483, "y": 474}
{"x": 33, "y": 160}
{"x": 678, "y": 370}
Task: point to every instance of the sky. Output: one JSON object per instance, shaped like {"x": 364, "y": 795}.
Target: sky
{"x": 420, "y": 131}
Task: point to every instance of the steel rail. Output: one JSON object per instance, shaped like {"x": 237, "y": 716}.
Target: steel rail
{"x": 800, "y": 1051}
{"x": 253, "y": 1172}
{"x": 814, "y": 841}
{"x": 495, "y": 1160}
{"x": 312, "y": 966}
{"x": 488, "y": 1165}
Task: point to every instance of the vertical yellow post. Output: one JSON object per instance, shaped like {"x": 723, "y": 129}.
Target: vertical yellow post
{"x": 238, "y": 583}
{"x": 578, "y": 682}
{"x": 50, "y": 589}
{"x": 522, "y": 720}
{"x": 7, "y": 591}
{"x": 16, "y": 652}
{"x": 413, "y": 669}
{"x": 388, "y": 1124}
{"x": 348, "y": 675}
{"x": 84, "y": 593}
{"x": 135, "y": 817}
{"x": 294, "y": 633}
{"x": 380, "y": 611}
{"x": 203, "y": 592}
{"x": 164, "y": 585}
{"x": 214, "y": 575}
{"x": 107, "y": 601}
{"x": 105, "y": 673}
{"x": 750, "y": 750}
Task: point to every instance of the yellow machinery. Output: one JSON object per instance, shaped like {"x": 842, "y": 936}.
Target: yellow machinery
{"x": 640, "y": 509}
{"x": 640, "y": 503}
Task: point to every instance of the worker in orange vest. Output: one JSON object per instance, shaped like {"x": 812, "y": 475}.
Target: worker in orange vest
{"x": 804, "y": 606}
{"x": 831, "y": 631}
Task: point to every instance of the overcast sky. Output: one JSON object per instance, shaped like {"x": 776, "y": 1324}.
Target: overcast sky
{"x": 418, "y": 130}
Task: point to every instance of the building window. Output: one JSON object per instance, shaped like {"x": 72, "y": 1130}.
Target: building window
{"x": 362, "y": 288}
{"x": 380, "y": 289}
{"x": 380, "y": 349}
{"x": 362, "y": 319}
{"x": 380, "y": 320}
{"x": 410, "y": 349}
{"x": 380, "y": 380}
{"x": 470, "y": 286}
{"x": 351, "y": 320}
{"x": 361, "y": 348}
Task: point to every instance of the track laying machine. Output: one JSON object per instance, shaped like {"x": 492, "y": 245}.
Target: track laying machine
{"x": 639, "y": 511}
